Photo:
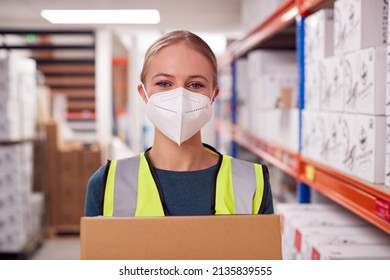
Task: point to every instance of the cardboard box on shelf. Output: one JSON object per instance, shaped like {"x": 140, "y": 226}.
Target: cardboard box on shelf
{"x": 288, "y": 129}
{"x": 52, "y": 144}
{"x": 313, "y": 85}
{"x": 359, "y": 24}
{"x": 315, "y": 132}
{"x": 345, "y": 236}
{"x": 348, "y": 142}
{"x": 197, "y": 237}
{"x": 351, "y": 252}
{"x": 365, "y": 77}
{"x": 286, "y": 210}
{"x": 333, "y": 84}
{"x": 319, "y": 36}
{"x": 333, "y": 218}
{"x": 313, "y": 236}
{"x": 69, "y": 185}
{"x": 262, "y": 62}
{"x": 370, "y": 134}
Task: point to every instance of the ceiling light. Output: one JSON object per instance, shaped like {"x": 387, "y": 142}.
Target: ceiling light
{"x": 140, "y": 16}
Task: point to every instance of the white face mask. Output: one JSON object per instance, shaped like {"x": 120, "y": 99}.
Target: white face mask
{"x": 178, "y": 113}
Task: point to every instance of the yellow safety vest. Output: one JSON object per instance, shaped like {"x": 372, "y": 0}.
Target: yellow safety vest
{"x": 131, "y": 190}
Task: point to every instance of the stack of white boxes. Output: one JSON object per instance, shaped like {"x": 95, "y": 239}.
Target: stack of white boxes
{"x": 327, "y": 231}
{"x": 272, "y": 96}
{"x": 17, "y": 126}
{"x": 344, "y": 117}
{"x": 17, "y": 98}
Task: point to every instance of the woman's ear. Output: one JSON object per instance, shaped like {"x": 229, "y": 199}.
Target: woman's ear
{"x": 142, "y": 92}
{"x": 216, "y": 92}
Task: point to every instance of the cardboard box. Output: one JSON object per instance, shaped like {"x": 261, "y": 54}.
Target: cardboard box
{"x": 347, "y": 239}
{"x": 313, "y": 236}
{"x": 91, "y": 160}
{"x": 69, "y": 202}
{"x": 348, "y": 142}
{"x": 315, "y": 132}
{"x": 312, "y": 86}
{"x": 359, "y": 24}
{"x": 231, "y": 237}
{"x": 333, "y": 84}
{"x": 327, "y": 219}
{"x": 370, "y": 134}
{"x": 351, "y": 252}
{"x": 319, "y": 35}
{"x": 52, "y": 159}
{"x": 288, "y": 129}
{"x": 262, "y": 62}
{"x": 365, "y": 76}
{"x": 287, "y": 210}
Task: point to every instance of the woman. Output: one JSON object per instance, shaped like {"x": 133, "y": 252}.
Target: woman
{"x": 179, "y": 175}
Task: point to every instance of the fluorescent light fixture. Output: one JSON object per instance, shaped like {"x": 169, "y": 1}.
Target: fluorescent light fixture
{"x": 140, "y": 16}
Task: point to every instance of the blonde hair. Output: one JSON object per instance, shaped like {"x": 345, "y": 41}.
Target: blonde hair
{"x": 174, "y": 37}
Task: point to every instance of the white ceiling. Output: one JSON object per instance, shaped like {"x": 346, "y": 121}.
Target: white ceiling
{"x": 203, "y": 16}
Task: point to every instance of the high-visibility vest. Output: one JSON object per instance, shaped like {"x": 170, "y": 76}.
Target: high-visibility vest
{"x": 132, "y": 191}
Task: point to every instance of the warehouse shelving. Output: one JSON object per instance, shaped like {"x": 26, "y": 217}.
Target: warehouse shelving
{"x": 65, "y": 72}
{"x": 279, "y": 156}
{"x": 369, "y": 201}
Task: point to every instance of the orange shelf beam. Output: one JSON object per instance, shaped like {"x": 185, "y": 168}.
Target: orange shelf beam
{"x": 278, "y": 156}
{"x": 274, "y": 23}
{"x": 356, "y": 195}
{"x": 281, "y": 18}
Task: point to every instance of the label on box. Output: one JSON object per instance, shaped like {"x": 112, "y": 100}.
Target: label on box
{"x": 298, "y": 240}
{"x": 315, "y": 255}
{"x": 382, "y": 208}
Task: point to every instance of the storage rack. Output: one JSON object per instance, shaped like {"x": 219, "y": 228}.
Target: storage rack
{"x": 72, "y": 76}
{"x": 364, "y": 199}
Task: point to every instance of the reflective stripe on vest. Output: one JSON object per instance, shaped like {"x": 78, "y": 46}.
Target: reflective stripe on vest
{"x": 131, "y": 190}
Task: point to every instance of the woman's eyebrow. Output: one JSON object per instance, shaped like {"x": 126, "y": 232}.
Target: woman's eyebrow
{"x": 198, "y": 77}
{"x": 163, "y": 75}
{"x": 171, "y": 76}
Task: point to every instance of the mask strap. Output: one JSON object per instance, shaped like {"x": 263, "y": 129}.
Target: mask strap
{"x": 146, "y": 94}
{"x": 212, "y": 97}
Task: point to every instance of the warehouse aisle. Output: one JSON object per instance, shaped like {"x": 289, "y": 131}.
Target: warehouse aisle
{"x": 59, "y": 248}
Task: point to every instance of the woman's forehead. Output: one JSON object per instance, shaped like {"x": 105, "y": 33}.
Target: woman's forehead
{"x": 179, "y": 58}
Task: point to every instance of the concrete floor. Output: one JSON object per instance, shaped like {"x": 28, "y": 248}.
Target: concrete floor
{"x": 59, "y": 248}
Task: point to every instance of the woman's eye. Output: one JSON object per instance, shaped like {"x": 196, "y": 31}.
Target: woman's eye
{"x": 163, "y": 84}
{"x": 196, "y": 85}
